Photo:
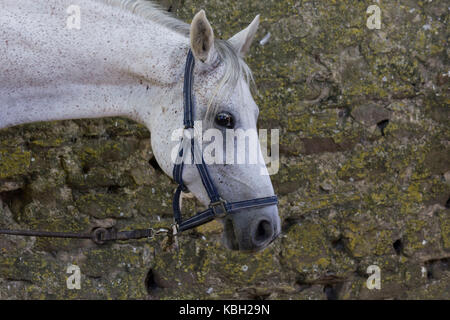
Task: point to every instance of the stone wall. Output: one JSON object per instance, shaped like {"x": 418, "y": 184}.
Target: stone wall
{"x": 364, "y": 178}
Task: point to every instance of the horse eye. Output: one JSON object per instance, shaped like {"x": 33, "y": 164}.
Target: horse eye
{"x": 225, "y": 119}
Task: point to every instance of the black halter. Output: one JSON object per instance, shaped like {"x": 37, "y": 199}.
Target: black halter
{"x": 218, "y": 207}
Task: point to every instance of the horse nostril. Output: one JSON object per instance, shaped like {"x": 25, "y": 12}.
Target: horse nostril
{"x": 263, "y": 232}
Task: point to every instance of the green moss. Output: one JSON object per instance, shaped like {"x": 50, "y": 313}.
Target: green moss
{"x": 14, "y": 162}
{"x": 308, "y": 250}
{"x": 105, "y": 206}
{"x": 55, "y": 142}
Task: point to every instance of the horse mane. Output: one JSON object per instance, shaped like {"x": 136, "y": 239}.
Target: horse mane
{"x": 152, "y": 11}
{"x": 235, "y": 66}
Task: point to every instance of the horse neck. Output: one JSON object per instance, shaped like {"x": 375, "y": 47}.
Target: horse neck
{"x": 116, "y": 64}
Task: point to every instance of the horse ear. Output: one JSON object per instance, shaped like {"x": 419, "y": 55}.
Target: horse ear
{"x": 202, "y": 37}
{"x": 242, "y": 40}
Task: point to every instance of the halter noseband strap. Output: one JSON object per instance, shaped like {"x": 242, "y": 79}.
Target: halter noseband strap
{"x": 217, "y": 206}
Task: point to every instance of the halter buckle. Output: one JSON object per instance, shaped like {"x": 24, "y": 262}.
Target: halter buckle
{"x": 220, "y": 203}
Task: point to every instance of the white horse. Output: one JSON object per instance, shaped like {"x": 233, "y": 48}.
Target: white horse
{"x": 127, "y": 59}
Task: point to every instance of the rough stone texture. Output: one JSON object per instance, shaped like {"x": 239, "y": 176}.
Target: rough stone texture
{"x": 364, "y": 178}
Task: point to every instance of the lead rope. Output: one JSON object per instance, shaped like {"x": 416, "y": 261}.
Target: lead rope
{"x": 97, "y": 235}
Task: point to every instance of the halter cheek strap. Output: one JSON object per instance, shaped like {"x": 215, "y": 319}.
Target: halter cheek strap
{"x": 218, "y": 207}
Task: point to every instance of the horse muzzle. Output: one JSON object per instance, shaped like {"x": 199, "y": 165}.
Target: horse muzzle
{"x": 251, "y": 230}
